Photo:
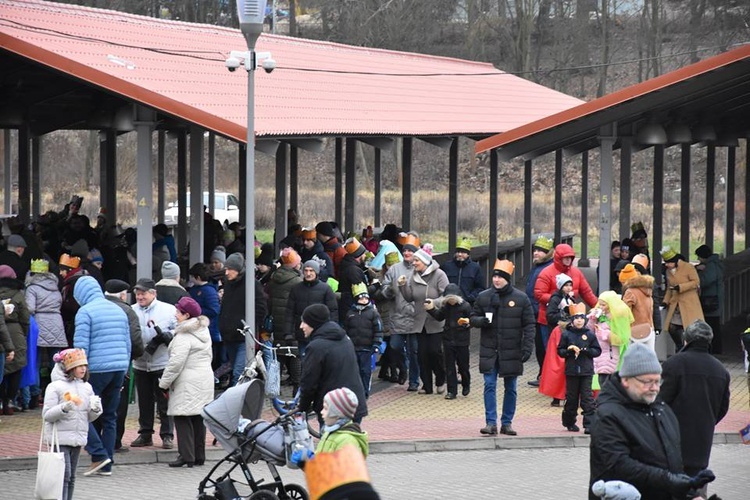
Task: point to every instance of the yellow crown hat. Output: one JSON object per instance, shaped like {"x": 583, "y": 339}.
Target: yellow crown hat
{"x": 464, "y": 244}
{"x": 359, "y": 289}
{"x": 39, "y": 266}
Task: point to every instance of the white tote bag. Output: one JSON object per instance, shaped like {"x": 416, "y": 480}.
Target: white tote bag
{"x": 50, "y": 469}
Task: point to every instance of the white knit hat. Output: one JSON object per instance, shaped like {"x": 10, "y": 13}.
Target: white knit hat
{"x": 342, "y": 403}
{"x": 561, "y": 279}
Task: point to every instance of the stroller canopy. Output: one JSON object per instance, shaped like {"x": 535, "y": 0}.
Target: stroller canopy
{"x": 223, "y": 414}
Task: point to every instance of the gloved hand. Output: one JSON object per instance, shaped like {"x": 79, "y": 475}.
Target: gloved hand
{"x": 300, "y": 456}
{"x": 675, "y": 288}
{"x": 614, "y": 490}
{"x": 68, "y": 406}
{"x": 429, "y": 305}
{"x": 483, "y": 322}
{"x": 463, "y": 321}
{"x": 679, "y": 484}
{"x": 525, "y": 357}
{"x": 702, "y": 478}
{"x": 95, "y": 404}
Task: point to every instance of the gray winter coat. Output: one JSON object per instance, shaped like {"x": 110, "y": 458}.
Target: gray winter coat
{"x": 430, "y": 284}
{"x": 401, "y": 320}
{"x": 44, "y": 300}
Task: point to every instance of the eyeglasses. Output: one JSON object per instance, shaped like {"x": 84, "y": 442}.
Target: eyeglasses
{"x": 649, "y": 383}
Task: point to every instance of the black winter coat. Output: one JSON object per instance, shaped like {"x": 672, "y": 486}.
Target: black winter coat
{"x": 170, "y": 294}
{"x": 509, "y": 339}
{"x": 449, "y": 308}
{"x": 696, "y": 387}
{"x": 302, "y": 295}
{"x": 585, "y": 339}
{"x": 634, "y": 442}
{"x": 136, "y": 341}
{"x": 329, "y": 363}
{"x": 467, "y": 275}
{"x": 554, "y": 313}
{"x": 350, "y": 273}
{"x": 233, "y": 309}
{"x": 364, "y": 327}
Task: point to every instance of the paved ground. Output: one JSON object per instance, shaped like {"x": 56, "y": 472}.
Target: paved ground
{"x": 541, "y": 474}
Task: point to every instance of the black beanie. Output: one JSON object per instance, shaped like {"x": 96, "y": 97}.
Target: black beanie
{"x": 325, "y": 228}
{"x": 315, "y": 315}
{"x": 704, "y": 251}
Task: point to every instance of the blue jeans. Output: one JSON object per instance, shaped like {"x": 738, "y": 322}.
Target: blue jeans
{"x": 399, "y": 341}
{"x": 101, "y": 443}
{"x": 364, "y": 360}
{"x": 490, "y": 398}
{"x": 546, "y": 332}
{"x": 236, "y": 357}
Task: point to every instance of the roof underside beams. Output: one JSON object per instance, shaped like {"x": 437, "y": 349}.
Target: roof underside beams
{"x": 720, "y": 98}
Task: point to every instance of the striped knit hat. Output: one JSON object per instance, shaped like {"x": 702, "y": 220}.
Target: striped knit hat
{"x": 342, "y": 403}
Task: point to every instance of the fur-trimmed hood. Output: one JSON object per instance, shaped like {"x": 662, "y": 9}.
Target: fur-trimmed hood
{"x": 643, "y": 281}
{"x": 451, "y": 299}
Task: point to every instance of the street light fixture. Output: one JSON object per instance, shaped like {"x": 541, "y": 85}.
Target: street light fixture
{"x": 251, "y": 14}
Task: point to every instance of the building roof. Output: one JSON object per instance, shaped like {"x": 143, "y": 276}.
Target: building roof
{"x": 319, "y": 88}
{"x": 715, "y": 92}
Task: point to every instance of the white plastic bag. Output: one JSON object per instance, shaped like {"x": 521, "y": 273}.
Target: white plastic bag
{"x": 273, "y": 376}
{"x": 50, "y": 469}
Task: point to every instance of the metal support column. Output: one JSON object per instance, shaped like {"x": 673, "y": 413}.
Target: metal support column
{"x": 378, "y": 185}
{"x": 729, "y": 205}
{"x": 350, "y": 184}
{"x": 658, "y": 229}
{"x": 36, "y": 171}
{"x": 626, "y": 200}
{"x": 24, "y": 169}
{"x": 211, "y": 180}
{"x": 280, "y": 221}
{"x": 182, "y": 182}
{"x": 108, "y": 167}
{"x": 585, "y": 205}
{"x": 7, "y": 173}
{"x": 406, "y": 155}
{"x": 606, "y": 142}
{"x": 338, "y": 174}
{"x": 492, "y": 246}
{"x": 453, "y": 195}
{"x": 242, "y": 161}
{"x": 144, "y": 142}
{"x": 161, "y": 178}
{"x": 558, "y": 195}
{"x": 710, "y": 193}
{"x": 685, "y": 180}
{"x": 196, "y": 195}
{"x": 747, "y": 193}
{"x": 293, "y": 178}
{"x": 528, "y": 188}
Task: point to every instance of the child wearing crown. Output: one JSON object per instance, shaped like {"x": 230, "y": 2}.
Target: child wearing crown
{"x": 364, "y": 326}
{"x": 578, "y": 346}
{"x": 70, "y": 404}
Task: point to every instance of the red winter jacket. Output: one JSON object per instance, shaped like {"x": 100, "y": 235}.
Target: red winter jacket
{"x": 546, "y": 285}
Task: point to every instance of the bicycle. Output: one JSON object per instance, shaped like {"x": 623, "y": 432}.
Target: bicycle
{"x": 257, "y": 369}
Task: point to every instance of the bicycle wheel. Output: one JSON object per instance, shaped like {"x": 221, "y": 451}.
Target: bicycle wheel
{"x": 296, "y": 492}
{"x": 263, "y": 495}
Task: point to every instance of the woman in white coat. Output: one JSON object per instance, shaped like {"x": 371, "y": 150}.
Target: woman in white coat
{"x": 189, "y": 379}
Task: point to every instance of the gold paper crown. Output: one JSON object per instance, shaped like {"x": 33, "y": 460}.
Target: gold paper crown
{"x": 74, "y": 358}
{"x": 392, "y": 258}
{"x": 68, "y": 261}
{"x": 39, "y": 266}
{"x": 354, "y": 247}
{"x": 408, "y": 239}
{"x": 641, "y": 259}
{"x": 359, "y": 289}
{"x": 328, "y": 471}
{"x": 667, "y": 253}
{"x": 504, "y": 266}
{"x": 464, "y": 244}
{"x": 628, "y": 272}
{"x": 577, "y": 309}
{"x": 544, "y": 243}
{"x": 308, "y": 233}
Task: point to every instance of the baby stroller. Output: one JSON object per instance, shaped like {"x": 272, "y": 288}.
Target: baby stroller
{"x": 272, "y": 442}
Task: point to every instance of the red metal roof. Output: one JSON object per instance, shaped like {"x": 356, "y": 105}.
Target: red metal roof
{"x": 179, "y": 68}
{"x": 621, "y": 97}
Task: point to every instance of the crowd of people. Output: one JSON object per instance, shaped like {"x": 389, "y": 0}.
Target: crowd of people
{"x": 343, "y": 301}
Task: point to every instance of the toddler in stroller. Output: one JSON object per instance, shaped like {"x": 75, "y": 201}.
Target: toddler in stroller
{"x": 234, "y": 419}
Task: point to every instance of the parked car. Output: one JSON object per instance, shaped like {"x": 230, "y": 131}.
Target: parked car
{"x": 226, "y": 208}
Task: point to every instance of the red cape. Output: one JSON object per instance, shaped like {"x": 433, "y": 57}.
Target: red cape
{"x": 552, "y": 382}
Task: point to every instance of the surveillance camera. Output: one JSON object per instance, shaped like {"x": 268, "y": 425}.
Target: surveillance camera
{"x": 268, "y": 65}
{"x": 233, "y": 63}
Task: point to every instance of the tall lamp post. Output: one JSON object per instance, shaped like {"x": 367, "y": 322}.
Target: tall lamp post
{"x": 251, "y": 14}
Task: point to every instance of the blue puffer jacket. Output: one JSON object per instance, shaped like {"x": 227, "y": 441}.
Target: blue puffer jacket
{"x": 101, "y": 329}
{"x": 208, "y": 298}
